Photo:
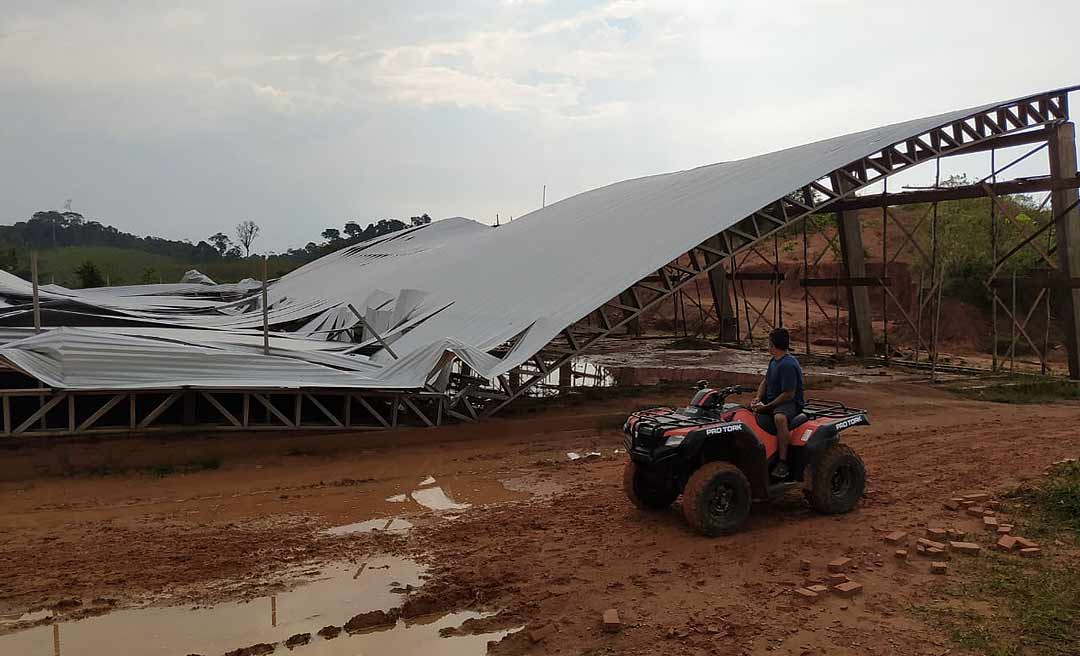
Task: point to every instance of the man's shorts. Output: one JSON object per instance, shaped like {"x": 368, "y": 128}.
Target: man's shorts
{"x": 789, "y": 410}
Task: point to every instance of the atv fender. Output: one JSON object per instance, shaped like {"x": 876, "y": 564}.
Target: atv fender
{"x": 826, "y": 435}
{"x": 735, "y": 443}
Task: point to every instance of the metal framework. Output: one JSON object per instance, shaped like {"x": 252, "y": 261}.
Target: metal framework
{"x": 465, "y": 397}
{"x": 44, "y": 411}
{"x": 972, "y": 134}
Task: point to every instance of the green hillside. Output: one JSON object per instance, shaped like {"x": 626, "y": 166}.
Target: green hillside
{"x": 126, "y": 266}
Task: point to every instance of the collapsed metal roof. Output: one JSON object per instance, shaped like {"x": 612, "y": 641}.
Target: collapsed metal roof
{"x": 454, "y": 288}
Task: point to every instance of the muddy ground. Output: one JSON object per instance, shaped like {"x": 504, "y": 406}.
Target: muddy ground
{"x": 87, "y": 527}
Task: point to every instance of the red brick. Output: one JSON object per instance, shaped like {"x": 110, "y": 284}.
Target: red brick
{"x": 804, "y": 565}
{"x": 839, "y": 565}
{"x": 934, "y": 552}
{"x": 1004, "y": 529}
{"x": 612, "y": 623}
{"x": 981, "y": 496}
{"x": 989, "y": 513}
{"x": 930, "y": 544}
{"x": 965, "y": 547}
{"x": 936, "y": 534}
{"x": 1006, "y": 543}
{"x": 849, "y": 589}
{"x": 994, "y": 505}
{"x": 952, "y": 504}
{"x": 938, "y": 567}
{"x": 1025, "y": 543}
{"x": 967, "y": 504}
{"x": 957, "y": 534}
{"x": 806, "y": 594}
{"x": 901, "y": 554}
{"x": 1030, "y": 552}
{"x": 817, "y": 588}
{"x": 836, "y": 579}
{"x": 895, "y": 536}
{"x": 976, "y": 511}
{"x": 990, "y": 523}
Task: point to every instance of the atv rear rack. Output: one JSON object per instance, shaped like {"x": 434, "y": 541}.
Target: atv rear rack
{"x": 818, "y": 409}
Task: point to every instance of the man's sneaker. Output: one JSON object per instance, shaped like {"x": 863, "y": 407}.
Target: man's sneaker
{"x": 780, "y": 470}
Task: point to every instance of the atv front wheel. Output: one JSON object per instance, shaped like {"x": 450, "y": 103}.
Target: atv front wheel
{"x": 647, "y": 492}
{"x": 716, "y": 500}
{"x": 837, "y": 481}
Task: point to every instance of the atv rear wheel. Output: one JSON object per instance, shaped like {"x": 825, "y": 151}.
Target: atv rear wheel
{"x": 837, "y": 481}
{"x": 716, "y": 500}
{"x": 647, "y": 492}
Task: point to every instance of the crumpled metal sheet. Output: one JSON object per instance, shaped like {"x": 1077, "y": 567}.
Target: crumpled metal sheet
{"x": 454, "y": 286}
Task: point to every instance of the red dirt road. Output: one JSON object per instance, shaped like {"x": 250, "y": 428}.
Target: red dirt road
{"x": 557, "y": 545}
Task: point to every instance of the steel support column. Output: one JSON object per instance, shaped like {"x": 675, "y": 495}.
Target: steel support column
{"x": 1063, "y": 165}
{"x": 718, "y": 284}
{"x": 854, "y": 258}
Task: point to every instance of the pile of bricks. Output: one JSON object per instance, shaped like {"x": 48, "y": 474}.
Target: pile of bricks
{"x": 836, "y": 581}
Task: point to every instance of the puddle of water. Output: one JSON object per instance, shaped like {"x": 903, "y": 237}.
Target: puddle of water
{"x": 340, "y": 593}
{"x": 392, "y": 525}
{"x": 434, "y": 498}
{"x": 573, "y": 455}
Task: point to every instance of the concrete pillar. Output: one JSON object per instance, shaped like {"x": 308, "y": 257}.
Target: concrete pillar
{"x": 854, "y": 257}
{"x": 1063, "y": 165}
{"x": 718, "y": 284}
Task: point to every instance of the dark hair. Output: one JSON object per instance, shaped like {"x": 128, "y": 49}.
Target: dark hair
{"x": 780, "y": 338}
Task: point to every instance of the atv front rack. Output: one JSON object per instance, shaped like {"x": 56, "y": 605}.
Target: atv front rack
{"x": 822, "y": 409}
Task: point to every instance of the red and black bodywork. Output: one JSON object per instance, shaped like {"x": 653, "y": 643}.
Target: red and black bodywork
{"x": 667, "y": 446}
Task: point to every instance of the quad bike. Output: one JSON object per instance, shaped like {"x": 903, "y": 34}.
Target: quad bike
{"x": 719, "y": 458}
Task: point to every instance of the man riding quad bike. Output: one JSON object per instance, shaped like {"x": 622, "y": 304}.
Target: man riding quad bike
{"x": 719, "y": 457}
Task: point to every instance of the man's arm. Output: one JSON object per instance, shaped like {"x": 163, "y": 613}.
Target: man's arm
{"x": 784, "y": 397}
{"x": 760, "y": 391}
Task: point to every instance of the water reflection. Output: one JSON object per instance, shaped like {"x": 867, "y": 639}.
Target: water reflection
{"x": 331, "y": 598}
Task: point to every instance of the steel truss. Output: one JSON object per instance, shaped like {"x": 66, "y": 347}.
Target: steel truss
{"x": 971, "y": 134}
{"x": 44, "y": 411}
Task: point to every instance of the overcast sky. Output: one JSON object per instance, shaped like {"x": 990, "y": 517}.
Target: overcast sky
{"x": 182, "y": 118}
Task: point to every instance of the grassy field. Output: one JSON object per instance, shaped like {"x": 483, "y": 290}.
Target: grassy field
{"x": 121, "y": 266}
{"x": 1022, "y": 391}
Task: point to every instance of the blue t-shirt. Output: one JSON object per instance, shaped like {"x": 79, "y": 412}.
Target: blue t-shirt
{"x": 783, "y": 375}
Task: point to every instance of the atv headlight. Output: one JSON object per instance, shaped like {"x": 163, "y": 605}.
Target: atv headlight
{"x": 674, "y": 440}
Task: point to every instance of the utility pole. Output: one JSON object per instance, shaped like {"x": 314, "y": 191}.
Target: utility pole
{"x": 265, "y": 313}
{"x": 37, "y": 300}
{"x": 543, "y": 197}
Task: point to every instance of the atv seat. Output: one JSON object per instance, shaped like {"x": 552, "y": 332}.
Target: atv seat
{"x": 765, "y": 421}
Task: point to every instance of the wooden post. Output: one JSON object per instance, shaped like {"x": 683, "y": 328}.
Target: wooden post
{"x": 1067, "y": 231}
{"x": 265, "y": 313}
{"x": 37, "y": 300}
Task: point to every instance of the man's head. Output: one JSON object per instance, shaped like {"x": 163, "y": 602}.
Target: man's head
{"x": 779, "y": 341}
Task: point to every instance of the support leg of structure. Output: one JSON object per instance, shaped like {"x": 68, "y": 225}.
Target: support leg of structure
{"x": 1063, "y": 165}
{"x": 851, "y": 250}
{"x": 633, "y": 327}
{"x": 718, "y": 284}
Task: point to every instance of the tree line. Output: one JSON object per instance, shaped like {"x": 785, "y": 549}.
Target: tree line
{"x": 54, "y": 229}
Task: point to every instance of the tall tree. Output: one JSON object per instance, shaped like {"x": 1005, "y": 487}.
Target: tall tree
{"x": 220, "y": 241}
{"x": 331, "y": 235}
{"x": 246, "y": 231}
{"x": 353, "y": 231}
{"x": 89, "y": 275}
